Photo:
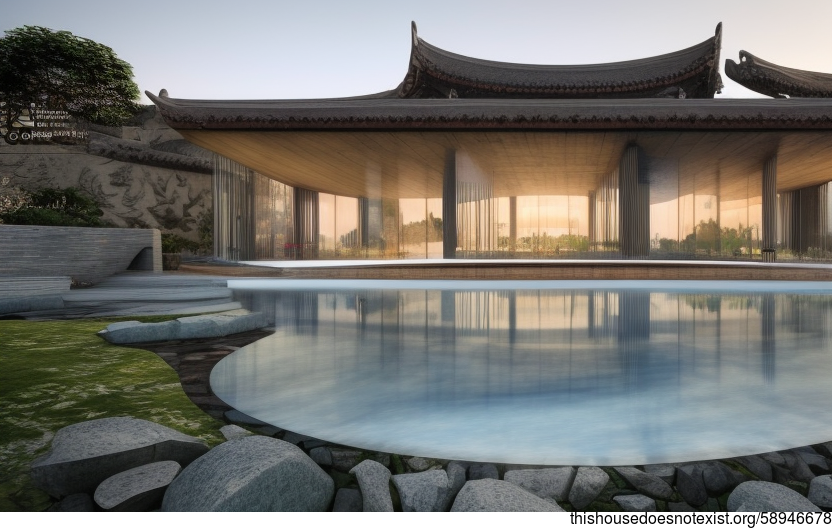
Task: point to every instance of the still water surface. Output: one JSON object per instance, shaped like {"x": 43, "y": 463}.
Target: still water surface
{"x": 549, "y": 372}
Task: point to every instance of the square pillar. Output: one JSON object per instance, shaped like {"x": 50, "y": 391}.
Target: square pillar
{"x": 769, "y": 238}
{"x": 449, "y": 206}
{"x": 633, "y": 205}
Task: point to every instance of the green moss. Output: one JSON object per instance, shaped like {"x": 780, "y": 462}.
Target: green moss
{"x": 397, "y": 464}
{"x": 800, "y": 487}
{"x": 343, "y": 480}
{"x": 394, "y": 497}
{"x": 616, "y": 479}
{"x": 733, "y": 464}
{"x": 57, "y": 373}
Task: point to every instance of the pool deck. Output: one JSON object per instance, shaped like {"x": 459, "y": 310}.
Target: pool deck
{"x": 468, "y": 269}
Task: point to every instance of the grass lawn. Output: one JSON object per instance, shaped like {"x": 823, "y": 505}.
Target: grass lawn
{"x": 56, "y": 373}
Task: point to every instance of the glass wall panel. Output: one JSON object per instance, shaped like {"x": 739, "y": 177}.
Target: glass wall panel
{"x": 391, "y": 230}
{"x": 233, "y": 210}
{"x": 528, "y": 234}
{"x": 414, "y": 227}
{"x": 825, "y": 214}
{"x": 664, "y": 207}
{"x": 506, "y": 226}
{"x": 326, "y": 226}
{"x": 273, "y": 232}
{"x": 346, "y": 227}
{"x": 803, "y": 220}
{"x": 254, "y": 215}
{"x": 477, "y": 213}
{"x": 706, "y": 198}
{"x": 433, "y": 206}
{"x": 605, "y": 225}
{"x": 706, "y": 175}
{"x": 690, "y": 195}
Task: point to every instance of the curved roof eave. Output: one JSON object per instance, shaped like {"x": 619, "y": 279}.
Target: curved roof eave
{"x": 434, "y": 72}
{"x": 777, "y": 81}
{"x": 490, "y": 114}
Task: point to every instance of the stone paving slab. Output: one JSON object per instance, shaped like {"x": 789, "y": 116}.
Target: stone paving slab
{"x": 138, "y": 293}
{"x": 196, "y": 327}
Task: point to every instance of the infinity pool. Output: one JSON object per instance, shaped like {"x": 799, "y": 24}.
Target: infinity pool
{"x": 550, "y": 372}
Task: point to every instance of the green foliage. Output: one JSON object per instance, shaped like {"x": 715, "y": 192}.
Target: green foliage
{"x": 61, "y": 71}
{"x": 56, "y": 207}
{"x": 12, "y": 199}
{"x": 551, "y": 246}
{"x": 429, "y": 230}
{"x": 205, "y": 230}
{"x": 172, "y": 243}
{"x": 57, "y": 373}
{"x": 710, "y": 239}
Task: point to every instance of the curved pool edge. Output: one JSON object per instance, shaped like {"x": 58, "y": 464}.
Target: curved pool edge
{"x": 371, "y": 443}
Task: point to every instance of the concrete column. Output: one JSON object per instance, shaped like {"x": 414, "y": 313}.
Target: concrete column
{"x": 769, "y": 238}
{"x": 449, "y": 206}
{"x": 633, "y": 205}
{"x": 809, "y": 218}
{"x": 306, "y": 216}
{"x": 363, "y": 222}
{"x": 512, "y": 226}
{"x": 591, "y": 214}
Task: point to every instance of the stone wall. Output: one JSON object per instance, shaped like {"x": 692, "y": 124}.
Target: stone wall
{"x": 86, "y": 254}
{"x": 145, "y": 175}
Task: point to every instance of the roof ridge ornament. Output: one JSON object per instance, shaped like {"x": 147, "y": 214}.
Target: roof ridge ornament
{"x": 777, "y": 81}
{"x": 414, "y": 34}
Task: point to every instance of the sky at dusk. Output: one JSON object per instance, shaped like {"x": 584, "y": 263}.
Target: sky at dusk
{"x": 257, "y": 49}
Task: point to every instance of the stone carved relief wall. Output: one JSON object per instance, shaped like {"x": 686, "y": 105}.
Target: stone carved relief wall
{"x": 145, "y": 175}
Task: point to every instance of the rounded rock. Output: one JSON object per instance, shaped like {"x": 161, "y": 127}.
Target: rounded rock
{"x": 85, "y": 454}
{"x": 820, "y": 491}
{"x": 137, "y": 489}
{"x": 769, "y": 497}
{"x": 589, "y": 483}
{"x": 256, "y": 473}
{"x": 489, "y": 495}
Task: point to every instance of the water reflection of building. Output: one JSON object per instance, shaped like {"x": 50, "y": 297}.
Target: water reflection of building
{"x": 470, "y": 158}
{"x": 602, "y": 341}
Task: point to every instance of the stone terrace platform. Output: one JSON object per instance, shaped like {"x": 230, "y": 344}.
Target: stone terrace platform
{"x": 468, "y": 269}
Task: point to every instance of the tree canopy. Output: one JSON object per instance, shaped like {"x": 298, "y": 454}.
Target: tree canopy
{"x": 53, "y": 207}
{"x": 61, "y": 71}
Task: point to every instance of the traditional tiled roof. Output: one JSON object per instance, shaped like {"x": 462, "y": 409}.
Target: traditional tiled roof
{"x": 777, "y": 81}
{"x": 485, "y": 114}
{"x": 444, "y": 91}
{"x": 435, "y": 73}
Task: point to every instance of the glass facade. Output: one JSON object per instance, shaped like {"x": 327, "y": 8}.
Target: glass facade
{"x": 525, "y": 194}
